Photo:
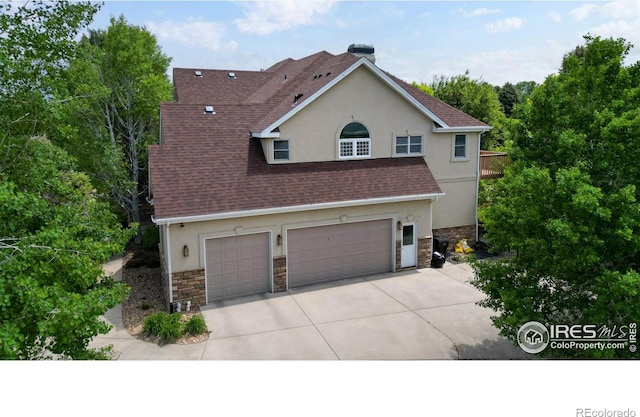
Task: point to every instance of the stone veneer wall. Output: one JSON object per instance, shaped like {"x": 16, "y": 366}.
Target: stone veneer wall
{"x": 454, "y": 234}
{"x": 280, "y": 274}
{"x": 189, "y": 286}
{"x": 424, "y": 254}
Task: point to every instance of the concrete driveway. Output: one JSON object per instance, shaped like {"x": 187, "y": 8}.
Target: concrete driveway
{"x": 423, "y": 314}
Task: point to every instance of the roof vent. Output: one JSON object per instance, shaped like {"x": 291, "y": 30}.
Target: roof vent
{"x": 209, "y": 110}
{"x": 296, "y": 98}
{"x": 360, "y": 49}
{"x": 232, "y": 75}
{"x": 197, "y": 73}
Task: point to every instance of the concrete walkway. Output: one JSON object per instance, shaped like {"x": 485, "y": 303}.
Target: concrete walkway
{"x": 423, "y": 314}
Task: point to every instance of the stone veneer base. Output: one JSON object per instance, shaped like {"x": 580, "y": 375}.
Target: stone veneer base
{"x": 424, "y": 254}
{"x": 455, "y": 234}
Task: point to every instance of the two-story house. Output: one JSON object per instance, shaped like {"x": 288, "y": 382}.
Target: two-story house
{"x": 312, "y": 170}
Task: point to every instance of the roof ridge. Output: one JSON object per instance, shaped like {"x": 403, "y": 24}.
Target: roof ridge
{"x": 284, "y": 75}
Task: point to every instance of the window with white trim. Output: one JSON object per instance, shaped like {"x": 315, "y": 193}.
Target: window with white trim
{"x": 354, "y": 141}
{"x": 280, "y": 150}
{"x": 460, "y": 146}
{"x": 408, "y": 145}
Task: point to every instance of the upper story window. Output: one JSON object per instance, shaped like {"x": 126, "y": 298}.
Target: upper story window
{"x": 460, "y": 146}
{"x": 408, "y": 145}
{"x": 354, "y": 141}
{"x": 280, "y": 150}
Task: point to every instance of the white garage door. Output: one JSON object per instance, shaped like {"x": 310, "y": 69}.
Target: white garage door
{"x": 237, "y": 266}
{"x": 328, "y": 253}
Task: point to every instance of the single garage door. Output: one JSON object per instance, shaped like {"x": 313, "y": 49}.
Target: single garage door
{"x": 237, "y": 266}
{"x": 328, "y": 253}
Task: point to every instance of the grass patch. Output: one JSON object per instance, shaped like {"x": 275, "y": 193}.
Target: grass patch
{"x": 195, "y": 325}
{"x": 169, "y": 327}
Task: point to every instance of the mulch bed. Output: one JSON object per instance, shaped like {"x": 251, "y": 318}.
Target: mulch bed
{"x": 141, "y": 272}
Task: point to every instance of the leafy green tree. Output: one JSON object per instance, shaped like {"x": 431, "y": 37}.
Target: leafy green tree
{"x": 477, "y": 98}
{"x": 568, "y": 203}
{"x": 120, "y": 80}
{"x": 54, "y": 234}
{"x": 508, "y": 97}
{"x": 425, "y": 88}
{"x": 54, "y": 238}
{"x": 37, "y": 40}
{"x": 524, "y": 89}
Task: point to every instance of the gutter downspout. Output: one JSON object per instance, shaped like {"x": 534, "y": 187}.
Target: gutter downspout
{"x": 168, "y": 252}
{"x": 478, "y": 185}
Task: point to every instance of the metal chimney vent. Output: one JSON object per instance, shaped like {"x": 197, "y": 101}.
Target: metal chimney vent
{"x": 364, "y": 50}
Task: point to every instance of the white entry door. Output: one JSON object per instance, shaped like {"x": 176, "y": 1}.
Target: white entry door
{"x": 408, "y": 252}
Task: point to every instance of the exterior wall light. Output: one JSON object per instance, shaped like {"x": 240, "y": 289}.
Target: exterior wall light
{"x": 185, "y": 251}
{"x": 279, "y": 240}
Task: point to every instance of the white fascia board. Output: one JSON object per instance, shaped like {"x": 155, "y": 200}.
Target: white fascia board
{"x": 377, "y": 71}
{"x": 384, "y": 77}
{"x": 265, "y": 135}
{"x": 293, "y": 209}
{"x": 305, "y": 103}
{"x": 462, "y": 129}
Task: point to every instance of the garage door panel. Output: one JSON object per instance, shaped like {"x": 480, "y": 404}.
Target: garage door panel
{"x": 328, "y": 253}
{"x": 237, "y": 266}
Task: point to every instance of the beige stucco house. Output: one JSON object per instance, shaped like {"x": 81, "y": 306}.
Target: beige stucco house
{"x": 312, "y": 170}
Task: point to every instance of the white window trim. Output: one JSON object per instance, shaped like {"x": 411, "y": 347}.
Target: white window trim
{"x": 409, "y": 153}
{"x": 273, "y": 151}
{"x": 453, "y": 148}
{"x": 354, "y": 143}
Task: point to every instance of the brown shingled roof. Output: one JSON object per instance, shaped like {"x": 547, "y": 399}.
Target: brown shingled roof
{"x": 209, "y": 164}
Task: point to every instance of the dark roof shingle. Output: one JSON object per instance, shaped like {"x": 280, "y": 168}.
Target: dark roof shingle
{"x": 209, "y": 164}
{"x": 216, "y": 167}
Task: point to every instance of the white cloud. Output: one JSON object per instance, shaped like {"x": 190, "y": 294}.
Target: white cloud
{"x": 583, "y": 11}
{"x": 614, "y": 9}
{"x": 504, "y": 25}
{"x": 478, "y": 12}
{"x": 619, "y": 29}
{"x": 193, "y": 32}
{"x": 555, "y": 16}
{"x": 266, "y": 17}
{"x": 621, "y": 9}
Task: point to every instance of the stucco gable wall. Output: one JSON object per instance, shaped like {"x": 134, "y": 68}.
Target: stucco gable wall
{"x": 360, "y": 97}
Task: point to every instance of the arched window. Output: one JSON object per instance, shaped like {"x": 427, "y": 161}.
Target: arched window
{"x": 355, "y": 141}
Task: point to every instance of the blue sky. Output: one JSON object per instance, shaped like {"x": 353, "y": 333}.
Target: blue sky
{"x": 500, "y": 41}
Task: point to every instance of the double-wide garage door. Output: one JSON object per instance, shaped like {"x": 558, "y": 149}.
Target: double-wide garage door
{"x": 237, "y": 266}
{"x": 328, "y": 253}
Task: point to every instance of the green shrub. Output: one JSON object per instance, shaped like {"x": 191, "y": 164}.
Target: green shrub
{"x": 166, "y": 326}
{"x": 153, "y": 323}
{"x": 150, "y": 238}
{"x": 172, "y": 329}
{"x": 195, "y": 325}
